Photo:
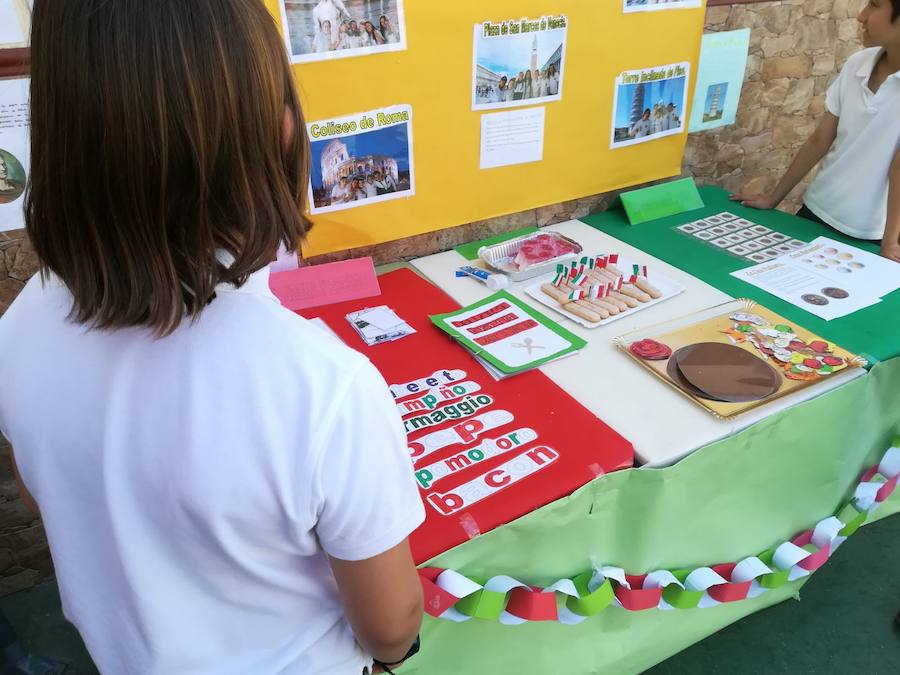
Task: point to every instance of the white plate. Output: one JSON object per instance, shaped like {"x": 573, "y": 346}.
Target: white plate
{"x": 666, "y": 286}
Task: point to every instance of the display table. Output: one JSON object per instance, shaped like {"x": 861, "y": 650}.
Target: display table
{"x": 741, "y": 488}
{"x": 871, "y": 332}
{"x": 608, "y": 383}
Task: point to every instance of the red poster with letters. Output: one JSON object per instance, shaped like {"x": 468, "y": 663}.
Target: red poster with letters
{"x": 483, "y": 452}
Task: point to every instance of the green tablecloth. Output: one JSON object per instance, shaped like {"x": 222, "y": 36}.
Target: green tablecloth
{"x": 731, "y": 499}
{"x": 873, "y": 332}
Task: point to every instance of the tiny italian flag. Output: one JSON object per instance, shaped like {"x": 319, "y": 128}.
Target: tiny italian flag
{"x": 602, "y": 261}
{"x": 560, "y": 275}
{"x": 577, "y": 294}
{"x": 598, "y": 291}
{"x": 580, "y": 279}
{"x": 640, "y": 271}
{"x": 613, "y": 258}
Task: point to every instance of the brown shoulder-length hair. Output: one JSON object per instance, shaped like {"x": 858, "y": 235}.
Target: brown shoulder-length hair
{"x": 159, "y": 138}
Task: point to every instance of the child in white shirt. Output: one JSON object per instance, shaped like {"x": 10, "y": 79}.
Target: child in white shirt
{"x": 226, "y": 488}
{"x": 857, "y": 188}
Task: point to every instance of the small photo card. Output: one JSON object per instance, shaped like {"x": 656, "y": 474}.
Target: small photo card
{"x": 754, "y": 245}
{"x": 759, "y": 257}
{"x": 740, "y": 250}
{"x": 376, "y": 325}
{"x": 705, "y": 235}
{"x": 721, "y": 242}
{"x": 702, "y": 224}
{"x": 770, "y": 253}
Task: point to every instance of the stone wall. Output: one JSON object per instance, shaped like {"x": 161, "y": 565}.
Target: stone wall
{"x": 797, "y": 48}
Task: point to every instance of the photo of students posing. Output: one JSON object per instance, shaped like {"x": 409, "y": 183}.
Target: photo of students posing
{"x": 321, "y": 29}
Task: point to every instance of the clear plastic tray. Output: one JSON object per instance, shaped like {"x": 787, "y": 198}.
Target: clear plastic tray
{"x": 500, "y": 257}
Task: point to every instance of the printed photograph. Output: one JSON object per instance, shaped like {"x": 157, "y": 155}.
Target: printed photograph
{"x": 513, "y": 67}
{"x": 12, "y": 177}
{"x": 653, "y": 5}
{"x": 649, "y": 104}
{"x": 317, "y": 30}
{"x": 360, "y": 168}
{"x": 715, "y": 102}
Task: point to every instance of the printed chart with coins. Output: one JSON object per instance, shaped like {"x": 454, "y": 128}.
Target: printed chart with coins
{"x": 735, "y": 357}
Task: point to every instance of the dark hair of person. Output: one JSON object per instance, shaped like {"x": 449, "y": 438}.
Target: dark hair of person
{"x": 158, "y": 141}
{"x": 895, "y": 11}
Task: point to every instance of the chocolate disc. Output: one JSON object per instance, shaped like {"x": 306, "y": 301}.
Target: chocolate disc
{"x": 675, "y": 375}
{"x": 727, "y": 373}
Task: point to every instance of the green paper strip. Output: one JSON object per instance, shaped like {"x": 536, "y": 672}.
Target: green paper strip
{"x": 483, "y": 604}
{"x": 470, "y": 251}
{"x": 681, "y": 598}
{"x": 590, "y": 604}
{"x": 853, "y": 518}
{"x": 775, "y": 579}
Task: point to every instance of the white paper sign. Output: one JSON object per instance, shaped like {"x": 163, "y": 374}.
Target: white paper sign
{"x": 807, "y": 289}
{"x": 515, "y": 137}
{"x": 848, "y": 266}
{"x": 12, "y": 32}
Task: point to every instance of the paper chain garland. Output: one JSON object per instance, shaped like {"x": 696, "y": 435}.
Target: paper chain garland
{"x": 452, "y": 596}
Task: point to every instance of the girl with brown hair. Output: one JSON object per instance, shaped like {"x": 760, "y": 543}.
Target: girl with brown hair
{"x": 203, "y": 459}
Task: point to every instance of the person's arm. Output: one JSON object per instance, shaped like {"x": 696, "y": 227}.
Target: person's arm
{"x": 368, "y": 504}
{"x": 890, "y": 244}
{"x": 812, "y": 152}
{"x": 24, "y": 494}
{"x": 382, "y": 598}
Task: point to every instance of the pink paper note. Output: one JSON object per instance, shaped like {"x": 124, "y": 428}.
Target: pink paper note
{"x": 325, "y": 284}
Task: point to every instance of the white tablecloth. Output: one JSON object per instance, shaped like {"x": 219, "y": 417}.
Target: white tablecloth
{"x": 663, "y": 425}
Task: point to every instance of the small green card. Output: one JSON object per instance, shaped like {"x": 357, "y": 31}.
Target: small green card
{"x": 470, "y": 251}
{"x": 508, "y": 334}
{"x": 659, "y": 201}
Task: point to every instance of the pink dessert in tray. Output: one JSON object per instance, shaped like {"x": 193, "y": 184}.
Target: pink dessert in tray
{"x": 541, "y": 248}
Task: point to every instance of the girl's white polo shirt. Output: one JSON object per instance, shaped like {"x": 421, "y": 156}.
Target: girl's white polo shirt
{"x": 850, "y": 189}
{"x": 192, "y": 486}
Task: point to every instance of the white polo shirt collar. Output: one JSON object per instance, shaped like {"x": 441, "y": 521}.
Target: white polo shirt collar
{"x": 256, "y": 284}
{"x": 864, "y": 72}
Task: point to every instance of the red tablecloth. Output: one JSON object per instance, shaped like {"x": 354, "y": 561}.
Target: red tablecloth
{"x": 477, "y": 467}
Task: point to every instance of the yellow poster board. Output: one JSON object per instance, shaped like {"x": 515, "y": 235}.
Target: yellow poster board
{"x": 434, "y": 77}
